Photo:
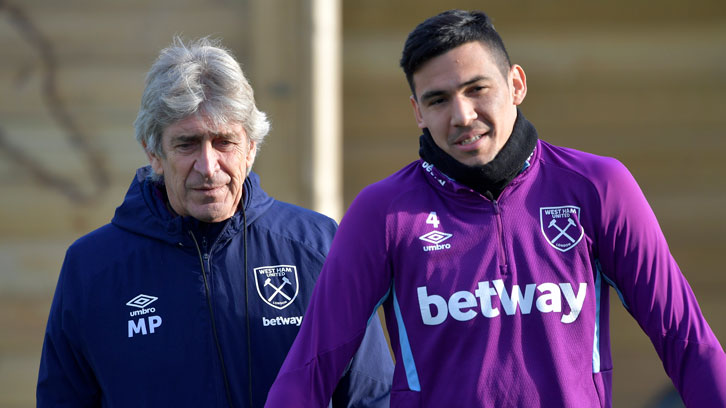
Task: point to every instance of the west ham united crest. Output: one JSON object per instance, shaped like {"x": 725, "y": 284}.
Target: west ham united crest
{"x": 561, "y": 226}
{"x": 277, "y": 285}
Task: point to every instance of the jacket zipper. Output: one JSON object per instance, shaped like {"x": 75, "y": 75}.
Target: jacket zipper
{"x": 205, "y": 256}
{"x": 504, "y": 265}
{"x": 204, "y": 259}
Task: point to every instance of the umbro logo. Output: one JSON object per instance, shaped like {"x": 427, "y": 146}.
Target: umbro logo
{"x": 436, "y": 238}
{"x": 145, "y": 325}
{"x": 141, "y": 301}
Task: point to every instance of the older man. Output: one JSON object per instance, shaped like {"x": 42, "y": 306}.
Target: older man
{"x": 193, "y": 294}
{"x": 492, "y": 256}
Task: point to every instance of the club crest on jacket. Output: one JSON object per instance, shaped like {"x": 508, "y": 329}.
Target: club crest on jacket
{"x": 277, "y": 285}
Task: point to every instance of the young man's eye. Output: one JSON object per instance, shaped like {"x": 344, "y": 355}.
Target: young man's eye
{"x": 437, "y": 101}
{"x": 480, "y": 89}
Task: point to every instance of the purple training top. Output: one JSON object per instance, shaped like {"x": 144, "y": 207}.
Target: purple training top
{"x": 502, "y": 303}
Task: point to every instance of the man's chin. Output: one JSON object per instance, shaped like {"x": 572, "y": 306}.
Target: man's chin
{"x": 476, "y": 158}
{"x": 474, "y": 161}
{"x": 213, "y": 213}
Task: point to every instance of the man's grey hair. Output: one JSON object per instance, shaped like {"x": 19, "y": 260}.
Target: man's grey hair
{"x": 198, "y": 78}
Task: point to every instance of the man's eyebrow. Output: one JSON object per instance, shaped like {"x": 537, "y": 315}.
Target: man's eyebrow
{"x": 193, "y": 137}
{"x": 185, "y": 138}
{"x": 431, "y": 94}
{"x": 438, "y": 92}
{"x": 474, "y": 80}
{"x": 226, "y": 135}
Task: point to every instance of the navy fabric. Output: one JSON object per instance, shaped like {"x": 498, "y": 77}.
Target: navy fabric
{"x": 130, "y": 322}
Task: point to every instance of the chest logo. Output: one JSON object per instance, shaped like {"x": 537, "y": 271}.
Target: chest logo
{"x": 561, "y": 227}
{"x": 435, "y": 237}
{"x": 142, "y": 301}
{"x": 145, "y": 324}
{"x": 277, "y": 285}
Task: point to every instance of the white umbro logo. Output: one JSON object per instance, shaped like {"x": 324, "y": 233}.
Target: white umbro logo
{"x": 435, "y": 237}
{"x": 144, "y": 325}
{"x": 141, "y": 301}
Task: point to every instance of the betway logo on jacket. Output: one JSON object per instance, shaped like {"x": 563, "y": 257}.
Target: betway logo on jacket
{"x": 465, "y": 305}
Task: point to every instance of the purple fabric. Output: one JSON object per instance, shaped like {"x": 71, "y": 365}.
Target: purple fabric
{"x": 502, "y": 303}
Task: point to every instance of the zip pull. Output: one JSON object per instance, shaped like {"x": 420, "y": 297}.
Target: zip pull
{"x": 205, "y": 249}
{"x": 201, "y": 249}
{"x": 497, "y": 210}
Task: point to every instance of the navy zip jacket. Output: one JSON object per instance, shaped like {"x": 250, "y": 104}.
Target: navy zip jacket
{"x": 156, "y": 310}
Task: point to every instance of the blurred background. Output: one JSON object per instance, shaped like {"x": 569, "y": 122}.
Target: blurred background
{"x": 640, "y": 81}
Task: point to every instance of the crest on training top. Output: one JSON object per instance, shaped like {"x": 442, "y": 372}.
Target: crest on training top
{"x": 561, "y": 226}
{"x": 277, "y": 285}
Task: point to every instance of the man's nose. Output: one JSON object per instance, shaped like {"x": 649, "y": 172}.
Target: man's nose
{"x": 207, "y": 162}
{"x": 463, "y": 112}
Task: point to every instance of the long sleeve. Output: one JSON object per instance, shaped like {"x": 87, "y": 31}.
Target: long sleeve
{"x": 353, "y": 282}
{"x": 65, "y": 378}
{"x": 636, "y": 259}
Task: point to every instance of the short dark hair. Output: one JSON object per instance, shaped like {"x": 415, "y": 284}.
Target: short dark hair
{"x": 446, "y": 31}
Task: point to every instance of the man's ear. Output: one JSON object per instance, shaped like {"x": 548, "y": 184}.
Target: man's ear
{"x": 154, "y": 160}
{"x": 251, "y": 153}
{"x": 417, "y": 113}
{"x": 519, "y": 84}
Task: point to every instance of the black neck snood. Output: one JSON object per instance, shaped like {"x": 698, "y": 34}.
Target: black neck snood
{"x": 491, "y": 178}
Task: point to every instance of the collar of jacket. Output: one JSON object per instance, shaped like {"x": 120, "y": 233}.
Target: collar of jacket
{"x": 490, "y": 179}
{"x": 145, "y": 211}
